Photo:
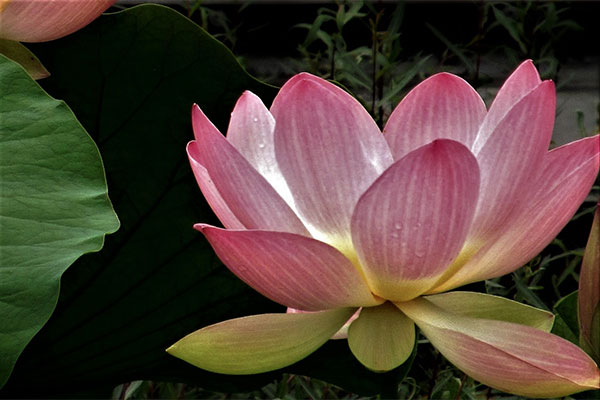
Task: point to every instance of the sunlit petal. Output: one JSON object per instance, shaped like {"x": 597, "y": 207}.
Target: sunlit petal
{"x": 251, "y": 132}
{"x": 329, "y": 150}
{"x": 247, "y": 194}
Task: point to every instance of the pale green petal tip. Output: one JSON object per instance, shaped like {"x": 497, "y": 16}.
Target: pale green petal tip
{"x": 259, "y": 343}
{"x": 382, "y": 338}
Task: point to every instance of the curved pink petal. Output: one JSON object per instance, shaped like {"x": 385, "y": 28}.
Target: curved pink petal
{"x": 510, "y": 357}
{"x": 40, "y": 21}
{"x": 329, "y": 150}
{"x": 511, "y": 157}
{"x": 562, "y": 184}
{"x": 443, "y": 106}
{"x": 522, "y": 81}
{"x": 251, "y": 133}
{"x": 411, "y": 223}
{"x": 210, "y": 191}
{"x": 290, "y": 269}
{"x": 589, "y": 291}
{"x": 258, "y": 343}
{"x": 249, "y": 197}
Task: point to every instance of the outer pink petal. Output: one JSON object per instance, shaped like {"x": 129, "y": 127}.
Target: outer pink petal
{"x": 40, "y": 21}
{"x": 290, "y": 269}
{"x": 514, "y": 358}
{"x": 251, "y": 132}
{"x": 589, "y": 291}
{"x": 247, "y": 194}
{"x": 329, "y": 150}
{"x": 411, "y": 223}
{"x": 523, "y": 80}
{"x": 562, "y": 184}
{"x": 258, "y": 343}
{"x": 511, "y": 157}
{"x": 210, "y": 191}
{"x": 443, "y": 106}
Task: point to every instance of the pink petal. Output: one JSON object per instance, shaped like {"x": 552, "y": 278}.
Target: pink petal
{"x": 251, "y": 133}
{"x": 382, "y": 338}
{"x": 329, "y": 150}
{"x": 258, "y": 343}
{"x": 562, "y": 184}
{"x": 40, "y": 21}
{"x": 411, "y": 223}
{"x": 443, "y": 106}
{"x": 210, "y": 191}
{"x": 290, "y": 269}
{"x": 513, "y": 358}
{"x": 511, "y": 157}
{"x": 249, "y": 197}
{"x": 589, "y": 291}
{"x": 522, "y": 81}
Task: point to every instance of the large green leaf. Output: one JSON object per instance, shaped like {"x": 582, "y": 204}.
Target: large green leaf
{"x": 54, "y": 205}
{"x": 131, "y": 78}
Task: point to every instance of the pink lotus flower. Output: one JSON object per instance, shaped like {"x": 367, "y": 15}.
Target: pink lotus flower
{"x": 326, "y": 215}
{"x": 43, "y": 20}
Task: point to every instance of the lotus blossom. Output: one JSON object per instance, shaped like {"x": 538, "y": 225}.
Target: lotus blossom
{"x": 328, "y": 216}
{"x": 43, "y": 20}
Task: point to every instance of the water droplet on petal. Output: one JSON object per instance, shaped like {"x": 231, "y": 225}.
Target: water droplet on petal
{"x": 255, "y": 119}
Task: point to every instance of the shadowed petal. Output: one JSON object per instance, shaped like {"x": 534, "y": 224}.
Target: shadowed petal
{"x": 329, "y": 150}
{"x": 511, "y": 157}
{"x": 259, "y": 343}
{"x": 443, "y": 106}
{"x": 485, "y": 306}
{"x": 563, "y": 183}
{"x": 40, "y": 21}
{"x": 290, "y": 269}
{"x": 249, "y": 197}
{"x": 251, "y": 133}
{"x": 381, "y": 338}
{"x": 513, "y": 358}
{"x": 411, "y": 223}
{"x": 589, "y": 292}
